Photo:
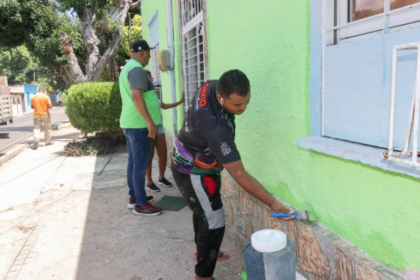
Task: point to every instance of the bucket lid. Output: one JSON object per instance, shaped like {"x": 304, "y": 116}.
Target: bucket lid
{"x": 268, "y": 240}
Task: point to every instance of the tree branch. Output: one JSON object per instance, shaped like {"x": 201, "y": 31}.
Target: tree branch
{"x": 113, "y": 46}
{"x": 135, "y": 5}
{"x": 76, "y": 74}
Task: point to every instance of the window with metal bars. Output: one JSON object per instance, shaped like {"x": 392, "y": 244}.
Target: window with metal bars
{"x": 190, "y": 9}
{"x": 155, "y": 71}
{"x": 194, "y": 66}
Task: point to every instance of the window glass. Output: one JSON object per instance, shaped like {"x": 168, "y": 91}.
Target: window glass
{"x": 396, "y": 4}
{"x": 366, "y": 8}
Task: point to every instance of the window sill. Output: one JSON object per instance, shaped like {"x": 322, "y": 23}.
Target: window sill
{"x": 355, "y": 152}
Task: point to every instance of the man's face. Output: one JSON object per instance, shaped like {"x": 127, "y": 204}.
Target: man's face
{"x": 145, "y": 57}
{"x": 235, "y": 103}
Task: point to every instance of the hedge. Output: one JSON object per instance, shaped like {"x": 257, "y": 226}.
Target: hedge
{"x": 93, "y": 107}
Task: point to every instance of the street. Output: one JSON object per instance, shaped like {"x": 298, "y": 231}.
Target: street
{"x": 22, "y": 128}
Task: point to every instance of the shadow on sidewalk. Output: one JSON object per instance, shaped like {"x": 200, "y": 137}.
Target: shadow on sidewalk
{"x": 119, "y": 245}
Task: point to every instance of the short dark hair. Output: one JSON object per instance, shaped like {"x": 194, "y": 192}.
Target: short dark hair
{"x": 233, "y": 81}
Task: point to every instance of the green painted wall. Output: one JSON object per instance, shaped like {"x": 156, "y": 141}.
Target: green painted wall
{"x": 373, "y": 209}
{"x": 148, "y": 7}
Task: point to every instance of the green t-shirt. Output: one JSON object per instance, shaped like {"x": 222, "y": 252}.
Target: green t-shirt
{"x": 130, "y": 116}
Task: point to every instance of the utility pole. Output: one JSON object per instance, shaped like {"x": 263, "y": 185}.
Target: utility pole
{"x": 34, "y": 76}
{"x": 129, "y": 30}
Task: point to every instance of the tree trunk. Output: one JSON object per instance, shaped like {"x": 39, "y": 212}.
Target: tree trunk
{"x": 95, "y": 64}
{"x": 113, "y": 69}
{"x": 124, "y": 6}
{"x": 66, "y": 76}
{"x": 91, "y": 42}
{"x": 112, "y": 49}
{"x": 76, "y": 75}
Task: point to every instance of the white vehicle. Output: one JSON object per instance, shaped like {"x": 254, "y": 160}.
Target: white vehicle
{"x": 6, "y": 109}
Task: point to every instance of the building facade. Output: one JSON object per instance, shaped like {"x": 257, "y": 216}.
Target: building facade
{"x": 321, "y": 75}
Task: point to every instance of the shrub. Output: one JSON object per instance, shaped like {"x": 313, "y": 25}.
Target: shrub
{"x": 94, "y": 107}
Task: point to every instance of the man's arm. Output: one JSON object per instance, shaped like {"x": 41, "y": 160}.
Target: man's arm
{"x": 138, "y": 100}
{"x": 253, "y": 187}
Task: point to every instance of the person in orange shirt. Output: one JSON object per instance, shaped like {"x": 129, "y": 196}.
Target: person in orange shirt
{"x": 41, "y": 104}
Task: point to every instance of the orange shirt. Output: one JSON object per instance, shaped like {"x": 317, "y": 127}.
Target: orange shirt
{"x": 40, "y": 104}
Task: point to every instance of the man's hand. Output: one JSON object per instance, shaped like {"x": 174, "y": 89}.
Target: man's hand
{"x": 182, "y": 98}
{"x": 152, "y": 130}
{"x": 277, "y": 207}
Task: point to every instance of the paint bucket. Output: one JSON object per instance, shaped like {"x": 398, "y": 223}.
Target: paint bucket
{"x": 270, "y": 255}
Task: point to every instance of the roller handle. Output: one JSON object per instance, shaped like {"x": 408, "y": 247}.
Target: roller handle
{"x": 285, "y": 215}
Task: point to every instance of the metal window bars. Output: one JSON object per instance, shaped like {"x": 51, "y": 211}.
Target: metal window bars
{"x": 194, "y": 64}
{"x": 190, "y": 9}
{"x": 156, "y": 71}
{"x": 155, "y": 66}
{"x": 413, "y": 122}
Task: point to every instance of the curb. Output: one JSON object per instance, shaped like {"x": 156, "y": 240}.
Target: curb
{"x": 11, "y": 154}
{"x": 59, "y": 126}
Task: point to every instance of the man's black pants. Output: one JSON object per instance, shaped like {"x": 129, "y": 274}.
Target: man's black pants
{"x": 202, "y": 195}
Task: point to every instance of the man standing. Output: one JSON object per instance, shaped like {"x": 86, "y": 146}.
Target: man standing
{"x": 41, "y": 104}
{"x": 139, "y": 116}
{"x": 206, "y": 145}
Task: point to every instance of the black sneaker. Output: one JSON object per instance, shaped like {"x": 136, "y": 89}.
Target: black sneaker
{"x": 152, "y": 188}
{"x": 165, "y": 183}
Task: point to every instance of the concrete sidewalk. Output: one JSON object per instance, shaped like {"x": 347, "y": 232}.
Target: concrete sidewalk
{"x": 66, "y": 218}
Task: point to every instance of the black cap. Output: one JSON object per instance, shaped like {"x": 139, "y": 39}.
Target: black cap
{"x": 139, "y": 45}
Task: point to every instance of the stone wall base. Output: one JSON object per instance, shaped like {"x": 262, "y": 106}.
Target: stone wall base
{"x": 320, "y": 253}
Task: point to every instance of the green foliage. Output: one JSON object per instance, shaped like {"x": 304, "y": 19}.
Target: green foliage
{"x": 19, "y": 65}
{"x": 94, "y": 106}
{"x": 130, "y": 35}
{"x": 79, "y": 6}
{"x": 92, "y": 146}
{"x": 16, "y": 21}
{"x": 37, "y": 24}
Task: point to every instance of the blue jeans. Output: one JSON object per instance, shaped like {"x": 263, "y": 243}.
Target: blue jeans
{"x": 138, "y": 148}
